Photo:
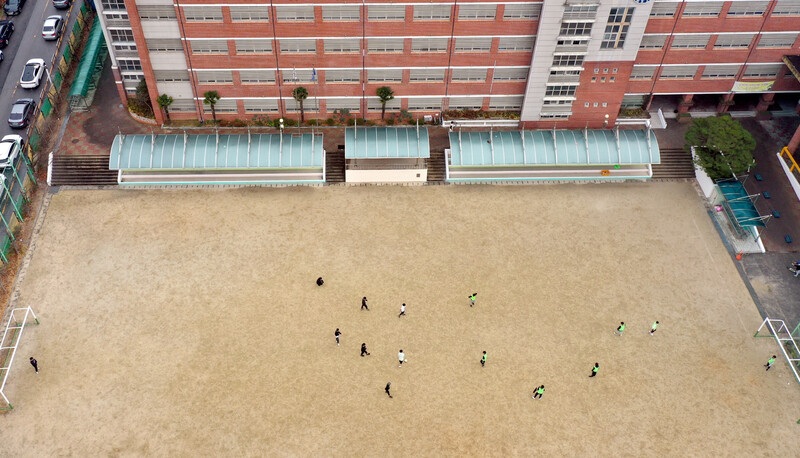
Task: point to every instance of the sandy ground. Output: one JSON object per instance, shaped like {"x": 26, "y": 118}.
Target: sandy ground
{"x": 187, "y": 323}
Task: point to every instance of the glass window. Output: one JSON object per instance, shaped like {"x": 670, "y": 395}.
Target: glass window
{"x": 664, "y": 9}
{"x": 468, "y": 74}
{"x": 465, "y": 103}
{"x": 425, "y": 104}
{"x": 249, "y": 14}
{"x": 125, "y": 35}
{"x": 428, "y": 44}
{"x": 693, "y": 41}
{"x": 257, "y": 46}
{"x": 215, "y": 77}
{"x": 749, "y": 8}
{"x": 257, "y": 77}
{"x": 575, "y": 29}
{"x": 473, "y": 44}
{"x": 285, "y": 13}
{"x": 343, "y": 76}
{"x": 298, "y": 46}
{"x": 777, "y": 40}
{"x": 164, "y": 45}
{"x": 202, "y": 13}
{"x": 619, "y": 20}
{"x": 700, "y": 9}
{"x": 157, "y": 12}
{"x": 522, "y": 11}
{"x": 342, "y": 45}
{"x": 783, "y": 8}
{"x": 560, "y": 91}
{"x": 762, "y": 70}
{"x": 393, "y": 75}
{"x": 652, "y": 41}
{"x": 510, "y": 74}
{"x": 572, "y": 12}
{"x": 261, "y": 106}
{"x": 386, "y": 12}
{"x": 476, "y": 11}
{"x": 734, "y": 40}
{"x": 501, "y": 103}
{"x": 341, "y": 13}
{"x": 426, "y": 75}
{"x": 720, "y": 71}
{"x": 679, "y": 72}
{"x": 113, "y": 4}
{"x": 516, "y": 44}
{"x": 171, "y": 76}
{"x": 378, "y": 45}
{"x": 209, "y": 46}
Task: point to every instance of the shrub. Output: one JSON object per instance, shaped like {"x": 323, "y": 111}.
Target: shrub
{"x": 330, "y": 121}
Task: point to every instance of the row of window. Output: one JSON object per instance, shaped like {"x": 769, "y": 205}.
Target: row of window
{"x": 348, "y": 45}
{"x": 711, "y": 71}
{"x": 353, "y": 104}
{"x": 616, "y": 30}
{"x": 346, "y": 13}
{"x": 737, "y": 9}
{"x": 723, "y": 41}
{"x": 388, "y": 75}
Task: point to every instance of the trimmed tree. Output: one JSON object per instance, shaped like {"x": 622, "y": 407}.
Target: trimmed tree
{"x": 164, "y": 101}
{"x": 211, "y": 99}
{"x": 385, "y": 93}
{"x": 300, "y": 93}
{"x": 722, "y": 146}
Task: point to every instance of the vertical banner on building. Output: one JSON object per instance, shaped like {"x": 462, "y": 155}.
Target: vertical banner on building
{"x": 760, "y": 86}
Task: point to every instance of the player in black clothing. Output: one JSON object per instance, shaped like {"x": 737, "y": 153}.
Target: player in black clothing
{"x": 364, "y": 304}
{"x": 388, "y": 385}
{"x": 364, "y": 349}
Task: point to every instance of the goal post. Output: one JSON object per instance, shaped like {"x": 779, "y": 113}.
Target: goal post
{"x": 18, "y": 319}
{"x": 786, "y": 339}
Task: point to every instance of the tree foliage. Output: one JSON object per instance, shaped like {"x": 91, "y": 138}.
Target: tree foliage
{"x": 722, "y": 146}
{"x": 164, "y": 101}
{"x": 385, "y": 94}
{"x": 211, "y": 99}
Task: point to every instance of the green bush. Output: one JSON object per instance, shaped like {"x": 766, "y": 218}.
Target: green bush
{"x": 137, "y": 107}
{"x": 330, "y": 121}
{"x": 635, "y": 112}
{"x": 261, "y": 120}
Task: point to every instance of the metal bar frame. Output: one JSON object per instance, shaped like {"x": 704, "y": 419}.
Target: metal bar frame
{"x": 6, "y": 369}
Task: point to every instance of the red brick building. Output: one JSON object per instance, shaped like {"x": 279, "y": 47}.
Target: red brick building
{"x": 573, "y": 63}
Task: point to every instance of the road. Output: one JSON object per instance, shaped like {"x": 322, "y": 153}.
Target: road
{"x": 26, "y": 43}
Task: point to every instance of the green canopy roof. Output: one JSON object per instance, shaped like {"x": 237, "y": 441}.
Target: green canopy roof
{"x": 386, "y": 142}
{"x": 133, "y": 152}
{"x": 86, "y": 68}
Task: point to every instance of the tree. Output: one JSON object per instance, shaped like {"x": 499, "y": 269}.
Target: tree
{"x": 164, "y": 101}
{"x": 300, "y": 93}
{"x": 211, "y": 99}
{"x": 722, "y": 146}
{"x": 385, "y": 93}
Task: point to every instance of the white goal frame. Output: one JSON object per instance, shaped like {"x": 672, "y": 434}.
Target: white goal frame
{"x": 18, "y": 319}
{"x": 781, "y": 333}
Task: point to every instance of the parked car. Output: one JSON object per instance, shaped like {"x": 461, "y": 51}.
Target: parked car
{"x": 10, "y": 146}
{"x": 32, "y": 74}
{"x": 13, "y": 7}
{"x": 6, "y": 29}
{"x": 21, "y": 113}
{"x": 51, "y": 29}
{"x": 62, "y": 4}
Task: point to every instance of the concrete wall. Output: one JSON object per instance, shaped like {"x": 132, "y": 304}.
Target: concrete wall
{"x": 386, "y": 176}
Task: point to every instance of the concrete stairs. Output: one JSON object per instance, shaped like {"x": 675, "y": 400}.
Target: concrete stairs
{"x": 75, "y": 170}
{"x": 334, "y": 166}
{"x": 675, "y": 163}
{"x": 436, "y": 169}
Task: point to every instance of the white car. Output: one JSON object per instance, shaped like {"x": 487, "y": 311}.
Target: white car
{"x": 51, "y": 29}
{"x": 10, "y": 146}
{"x": 32, "y": 74}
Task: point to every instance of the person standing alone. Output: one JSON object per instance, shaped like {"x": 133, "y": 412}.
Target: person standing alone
{"x": 402, "y": 311}
{"x": 483, "y": 360}
{"x": 768, "y": 365}
{"x": 653, "y": 328}
{"x": 538, "y": 392}
{"x": 337, "y": 334}
{"x": 364, "y": 349}
{"x": 594, "y": 370}
{"x": 388, "y": 386}
{"x": 472, "y": 298}
{"x": 401, "y": 357}
{"x": 364, "y": 303}
{"x": 620, "y": 328}
{"x": 35, "y": 364}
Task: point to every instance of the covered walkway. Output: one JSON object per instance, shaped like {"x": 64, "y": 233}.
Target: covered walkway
{"x": 740, "y": 207}
{"x": 386, "y": 154}
{"x": 90, "y": 68}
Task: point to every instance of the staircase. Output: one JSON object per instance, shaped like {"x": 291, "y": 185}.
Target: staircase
{"x": 675, "y": 163}
{"x": 334, "y": 166}
{"x": 436, "y": 171}
{"x": 81, "y": 171}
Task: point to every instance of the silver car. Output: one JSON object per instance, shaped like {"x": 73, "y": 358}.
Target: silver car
{"x": 52, "y": 27}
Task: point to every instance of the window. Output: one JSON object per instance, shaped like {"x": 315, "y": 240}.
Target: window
{"x": 385, "y": 75}
{"x": 125, "y": 35}
{"x": 720, "y": 71}
{"x": 341, "y": 13}
{"x": 215, "y": 77}
{"x": 594, "y": 79}
{"x": 596, "y": 70}
{"x": 135, "y": 77}
{"x": 257, "y": 77}
{"x": 183, "y": 105}
{"x": 700, "y": 9}
{"x": 762, "y": 71}
{"x": 342, "y": 76}
{"x": 129, "y": 65}
{"x": 694, "y": 41}
{"x": 374, "y": 103}
{"x": 249, "y": 14}
{"x": 222, "y": 106}
{"x": 113, "y": 15}
{"x": 679, "y": 72}
{"x": 560, "y": 91}
{"x": 157, "y": 13}
{"x": 782, "y": 8}
{"x": 652, "y": 41}
{"x": 516, "y": 44}
{"x": 777, "y": 40}
{"x": 259, "y": 46}
{"x": 293, "y": 105}
{"x": 558, "y": 102}
{"x": 585, "y": 105}
{"x": 113, "y": 4}
{"x": 573, "y": 12}
{"x": 510, "y": 74}
{"x": 171, "y": 76}
{"x": 164, "y": 45}
{"x": 505, "y": 102}
{"x": 468, "y": 74}
{"x": 619, "y": 19}
{"x": 567, "y": 61}
{"x": 202, "y": 13}
{"x": 122, "y": 47}
{"x": 425, "y": 104}
{"x": 296, "y": 76}
{"x": 377, "y": 45}
{"x": 386, "y": 12}
{"x": 633, "y": 101}
{"x": 640, "y": 72}
{"x": 342, "y": 45}
{"x": 432, "y": 12}
{"x": 664, "y": 9}
{"x": 575, "y": 29}
{"x": 547, "y": 116}
{"x": 522, "y": 11}
{"x": 428, "y": 44}
{"x": 298, "y": 46}
{"x": 465, "y": 103}
{"x": 473, "y": 44}
{"x": 294, "y": 13}
{"x": 209, "y": 46}
{"x": 348, "y": 103}
{"x": 476, "y": 11}
{"x": 261, "y": 106}
{"x": 749, "y": 8}
{"x": 734, "y": 41}
{"x": 427, "y": 75}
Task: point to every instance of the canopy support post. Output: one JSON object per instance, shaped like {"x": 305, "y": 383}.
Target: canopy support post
{"x": 524, "y": 150}
{"x": 185, "y": 141}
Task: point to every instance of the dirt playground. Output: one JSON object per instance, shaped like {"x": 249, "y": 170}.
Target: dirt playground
{"x": 187, "y": 323}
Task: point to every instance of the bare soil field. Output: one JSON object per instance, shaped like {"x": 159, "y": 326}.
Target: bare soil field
{"x": 187, "y": 323}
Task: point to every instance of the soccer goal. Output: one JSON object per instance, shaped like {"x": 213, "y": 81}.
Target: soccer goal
{"x": 787, "y": 341}
{"x": 20, "y": 317}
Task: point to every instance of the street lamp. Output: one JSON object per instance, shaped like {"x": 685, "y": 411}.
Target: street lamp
{"x": 280, "y": 121}
{"x": 605, "y": 123}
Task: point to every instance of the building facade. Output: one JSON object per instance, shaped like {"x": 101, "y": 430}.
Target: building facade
{"x": 570, "y": 64}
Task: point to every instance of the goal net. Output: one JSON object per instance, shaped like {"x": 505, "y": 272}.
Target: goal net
{"x": 787, "y": 341}
{"x": 18, "y": 319}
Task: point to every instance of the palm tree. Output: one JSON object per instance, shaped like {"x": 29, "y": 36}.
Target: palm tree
{"x": 211, "y": 99}
{"x": 164, "y": 101}
{"x": 300, "y": 93}
{"x": 385, "y": 93}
